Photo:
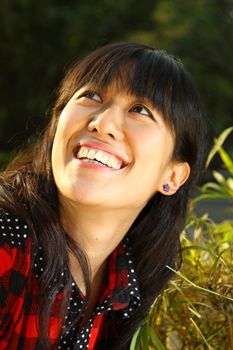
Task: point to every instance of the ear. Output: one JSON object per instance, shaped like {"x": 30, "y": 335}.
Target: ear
{"x": 178, "y": 174}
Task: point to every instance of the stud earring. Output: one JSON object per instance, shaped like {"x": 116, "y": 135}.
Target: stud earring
{"x": 166, "y": 187}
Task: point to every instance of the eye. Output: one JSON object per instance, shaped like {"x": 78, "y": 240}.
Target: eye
{"x": 142, "y": 110}
{"x": 92, "y": 95}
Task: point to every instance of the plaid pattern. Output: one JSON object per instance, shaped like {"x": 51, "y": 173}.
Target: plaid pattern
{"x": 19, "y": 289}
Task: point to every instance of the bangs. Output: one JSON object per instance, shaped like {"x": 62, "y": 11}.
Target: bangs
{"x": 139, "y": 71}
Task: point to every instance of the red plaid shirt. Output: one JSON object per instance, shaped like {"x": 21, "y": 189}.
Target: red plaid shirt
{"x": 19, "y": 288}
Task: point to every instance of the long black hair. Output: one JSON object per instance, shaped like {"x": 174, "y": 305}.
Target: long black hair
{"x": 145, "y": 73}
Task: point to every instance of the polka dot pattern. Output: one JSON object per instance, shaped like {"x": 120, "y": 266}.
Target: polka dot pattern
{"x": 15, "y": 233}
{"x": 133, "y": 288}
{"x": 73, "y": 340}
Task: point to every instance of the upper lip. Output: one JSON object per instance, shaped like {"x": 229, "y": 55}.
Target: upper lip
{"x": 98, "y": 145}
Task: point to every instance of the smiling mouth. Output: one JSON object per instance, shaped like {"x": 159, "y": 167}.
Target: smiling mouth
{"x": 88, "y": 154}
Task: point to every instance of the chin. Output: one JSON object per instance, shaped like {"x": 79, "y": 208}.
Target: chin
{"x": 83, "y": 195}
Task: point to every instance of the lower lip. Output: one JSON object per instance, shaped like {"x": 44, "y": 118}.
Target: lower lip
{"x": 94, "y": 165}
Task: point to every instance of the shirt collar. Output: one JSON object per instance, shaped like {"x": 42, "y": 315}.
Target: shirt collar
{"x": 122, "y": 288}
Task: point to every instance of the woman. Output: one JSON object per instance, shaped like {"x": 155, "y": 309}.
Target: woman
{"x": 91, "y": 217}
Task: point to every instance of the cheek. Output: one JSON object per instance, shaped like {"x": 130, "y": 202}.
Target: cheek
{"x": 55, "y": 155}
{"x": 64, "y": 124}
{"x": 155, "y": 151}
{"x": 149, "y": 144}
{"x": 59, "y": 146}
{"x": 65, "y": 128}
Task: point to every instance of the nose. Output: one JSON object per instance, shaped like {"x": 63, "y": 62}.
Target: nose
{"x": 108, "y": 123}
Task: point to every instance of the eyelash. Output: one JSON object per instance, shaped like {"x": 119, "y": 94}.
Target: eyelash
{"x": 146, "y": 109}
{"x": 91, "y": 93}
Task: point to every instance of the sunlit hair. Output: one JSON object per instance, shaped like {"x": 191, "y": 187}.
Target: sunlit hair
{"x": 145, "y": 73}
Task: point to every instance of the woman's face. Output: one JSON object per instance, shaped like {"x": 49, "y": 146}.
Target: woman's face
{"x": 110, "y": 150}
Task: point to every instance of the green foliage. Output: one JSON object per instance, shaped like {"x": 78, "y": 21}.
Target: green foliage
{"x": 195, "y": 311}
{"x": 222, "y": 187}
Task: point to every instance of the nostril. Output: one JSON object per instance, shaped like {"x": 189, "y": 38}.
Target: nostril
{"x": 106, "y": 125}
{"x": 107, "y": 133}
{"x": 100, "y": 131}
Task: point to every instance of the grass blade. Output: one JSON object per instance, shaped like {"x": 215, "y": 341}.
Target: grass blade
{"x": 218, "y": 143}
{"x": 134, "y": 340}
{"x": 199, "y": 287}
{"x": 155, "y": 342}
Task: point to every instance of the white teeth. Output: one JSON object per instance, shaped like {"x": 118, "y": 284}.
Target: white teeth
{"x": 110, "y": 162}
{"x": 91, "y": 154}
{"x": 84, "y": 152}
{"x": 105, "y": 159}
{"x": 116, "y": 165}
{"x": 101, "y": 156}
{"x": 80, "y": 153}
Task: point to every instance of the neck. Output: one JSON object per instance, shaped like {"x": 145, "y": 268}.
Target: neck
{"x": 97, "y": 231}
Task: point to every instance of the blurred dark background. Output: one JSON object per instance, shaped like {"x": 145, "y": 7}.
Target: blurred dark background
{"x": 39, "y": 39}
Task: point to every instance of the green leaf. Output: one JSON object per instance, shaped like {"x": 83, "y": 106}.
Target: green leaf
{"x": 155, "y": 342}
{"x": 134, "y": 340}
{"x": 224, "y": 227}
{"x": 226, "y": 160}
{"x": 218, "y": 143}
{"x": 209, "y": 196}
{"x": 229, "y": 182}
{"x": 211, "y": 185}
{"x": 145, "y": 337}
{"x": 219, "y": 177}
